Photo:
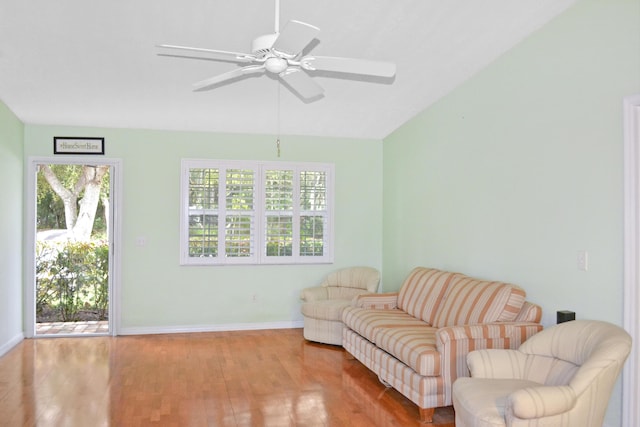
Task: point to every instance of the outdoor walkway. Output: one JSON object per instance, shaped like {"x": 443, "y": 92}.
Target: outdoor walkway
{"x": 88, "y": 327}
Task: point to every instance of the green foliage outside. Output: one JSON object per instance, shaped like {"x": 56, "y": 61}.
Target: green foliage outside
{"x": 50, "y": 207}
{"x": 72, "y": 278}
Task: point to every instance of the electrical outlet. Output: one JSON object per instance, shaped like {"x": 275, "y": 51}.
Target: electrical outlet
{"x": 583, "y": 260}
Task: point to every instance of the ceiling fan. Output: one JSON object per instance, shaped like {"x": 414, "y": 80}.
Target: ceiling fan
{"x": 280, "y": 53}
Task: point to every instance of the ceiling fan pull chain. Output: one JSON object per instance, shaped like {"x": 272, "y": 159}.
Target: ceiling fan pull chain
{"x": 278, "y": 119}
{"x": 277, "y": 20}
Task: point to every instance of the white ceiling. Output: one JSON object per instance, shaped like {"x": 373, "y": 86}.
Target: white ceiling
{"x": 94, "y": 63}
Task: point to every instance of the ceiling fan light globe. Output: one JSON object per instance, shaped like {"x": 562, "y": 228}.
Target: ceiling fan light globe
{"x": 276, "y": 65}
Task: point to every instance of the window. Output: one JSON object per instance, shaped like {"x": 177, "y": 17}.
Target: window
{"x": 241, "y": 212}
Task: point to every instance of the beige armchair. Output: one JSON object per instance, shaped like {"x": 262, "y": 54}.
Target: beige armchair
{"x": 562, "y": 376}
{"x": 322, "y": 305}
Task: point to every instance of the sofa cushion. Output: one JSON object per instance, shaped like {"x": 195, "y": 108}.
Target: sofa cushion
{"x": 471, "y": 301}
{"x": 422, "y": 292}
{"x": 414, "y": 345}
{"x": 529, "y": 313}
{"x": 367, "y": 322}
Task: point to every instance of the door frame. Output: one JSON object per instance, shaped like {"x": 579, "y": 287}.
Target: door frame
{"x": 115, "y": 236}
{"x": 631, "y": 376}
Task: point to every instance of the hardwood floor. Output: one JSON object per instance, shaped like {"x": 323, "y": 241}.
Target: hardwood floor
{"x": 248, "y": 378}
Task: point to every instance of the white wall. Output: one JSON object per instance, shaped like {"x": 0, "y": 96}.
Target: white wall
{"x": 11, "y": 167}
{"x": 518, "y": 169}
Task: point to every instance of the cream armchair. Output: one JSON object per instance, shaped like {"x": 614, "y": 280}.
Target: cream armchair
{"x": 322, "y": 305}
{"x": 562, "y": 376}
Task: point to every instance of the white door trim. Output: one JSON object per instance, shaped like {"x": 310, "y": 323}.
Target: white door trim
{"x": 115, "y": 238}
{"x": 631, "y": 379}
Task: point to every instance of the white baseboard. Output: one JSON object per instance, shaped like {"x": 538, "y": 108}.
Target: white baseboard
{"x": 11, "y": 343}
{"x": 144, "y": 330}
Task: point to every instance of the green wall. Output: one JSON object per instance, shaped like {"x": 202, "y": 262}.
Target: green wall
{"x": 521, "y": 167}
{"x": 11, "y": 172}
{"x": 157, "y": 293}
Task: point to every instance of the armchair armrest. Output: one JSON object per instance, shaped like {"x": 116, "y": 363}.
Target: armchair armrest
{"x": 543, "y": 401}
{"x": 386, "y": 301}
{"x": 315, "y": 293}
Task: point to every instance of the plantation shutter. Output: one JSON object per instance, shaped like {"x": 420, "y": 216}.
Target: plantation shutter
{"x": 239, "y": 215}
{"x": 203, "y": 212}
{"x": 279, "y": 213}
{"x": 313, "y": 213}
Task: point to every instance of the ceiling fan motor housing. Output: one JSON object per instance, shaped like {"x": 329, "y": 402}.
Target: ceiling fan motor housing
{"x": 261, "y": 46}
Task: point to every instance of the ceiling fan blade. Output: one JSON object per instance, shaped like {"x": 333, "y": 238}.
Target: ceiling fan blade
{"x": 201, "y": 53}
{"x": 294, "y": 37}
{"x": 349, "y": 65}
{"x": 229, "y": 75}
{"x": 301, "y": 82}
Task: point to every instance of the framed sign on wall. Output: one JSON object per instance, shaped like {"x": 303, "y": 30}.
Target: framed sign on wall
{"x": 78, "y": 145}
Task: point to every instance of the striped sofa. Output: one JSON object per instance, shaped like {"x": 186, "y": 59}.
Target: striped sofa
{"x": 416, "y": 340}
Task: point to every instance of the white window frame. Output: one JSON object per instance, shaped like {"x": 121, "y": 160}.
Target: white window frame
{"x": 258, "y": 241}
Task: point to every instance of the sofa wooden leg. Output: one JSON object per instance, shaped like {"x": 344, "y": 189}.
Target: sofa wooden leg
{"x": 384, "y": 383}
{"x": 426, "y": 415}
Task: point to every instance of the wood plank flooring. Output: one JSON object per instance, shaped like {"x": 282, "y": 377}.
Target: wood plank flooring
{"x": 247, "y": 378}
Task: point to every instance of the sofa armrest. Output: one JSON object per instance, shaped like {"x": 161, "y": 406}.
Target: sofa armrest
{"x": 515, "y": 333}
{"x": 455, "y": 342}
{"x": 386, "y": 301}
{"x": 542, "y": 401}
{"x": 315, "y": 293}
